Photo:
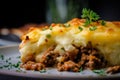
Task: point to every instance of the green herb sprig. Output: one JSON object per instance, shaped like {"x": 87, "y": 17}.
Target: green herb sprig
{"x": 81, "y": 69}
{"x": 42, "y": 71}
{"x": 1, "y": 57}
{"x": 90, "y": 16}
{"x": 48, "y": 35}
{"x": 92, "y": 28}
{"x": 80, "y": 28}
{"x": 51, "y": 27}
{"x": 102, "y": 22}
{"x": 100, "y": 72}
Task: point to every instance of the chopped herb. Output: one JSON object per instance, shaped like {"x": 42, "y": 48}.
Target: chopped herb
{"x": 87, "y": 22}
{"x": 100, "y": 72}
{"x": 1, "y": 67}
{"x": 42, "y": 71}
{"x": 9, "y": 58}
{"x": 80, "y": 28}
{"x": 102, "y": 22}
{"x": 8, "y": 68}
{"x": 16, "y": 65}
{"x": 50, "y": 27}
{"x": 62, "y": 49}
{"x": 18, "y": 57}
{"x": 6, "y": 60}
{"x": 90, "y": 16}
{"x": 18, "y": 70}
{"x": 67, "y": 25}
{"x": 81, "y": 69}
{"x": 9, "y": 63}
{"x": 2, "y": 57}
{"x": 48, "y": 36}
{"x": 6, "y": 65}
{"x": 92, "y": 28}
{"x": 19, "y": 62}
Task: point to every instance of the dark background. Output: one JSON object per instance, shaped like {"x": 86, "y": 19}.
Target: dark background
{"x": 18, "y": 13}
{"x": 107, "y": 9}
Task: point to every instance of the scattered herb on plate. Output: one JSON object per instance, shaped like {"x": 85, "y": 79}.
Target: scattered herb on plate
{"x": 42, "y": 71}
{"x": 81, "y": 69}
{"x": 18, "y": 57}
{"x": 1, "y": 57}
{"x": 100, "y": 72}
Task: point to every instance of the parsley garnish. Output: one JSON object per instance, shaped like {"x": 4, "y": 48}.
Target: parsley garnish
{"x": 50, "y": 27}
{"x": 100, "y": 72}
{"x": 42, "y": 71}
{"x": 92, "y": 28}
{"x": 1, "y": 67}
{"x": 18, "y": 70}
{"x": 81, "y": 69}
{"x": 1, "y": 57}
{"x": 6, "y": 65}
{"x": 18, "y": 57}
{"x": 9, "y": 58}
{"x": 90, "y": 16}
{"x": 63, "y": 49}
{"x": 102, "y": 22}
{"x": 80, "y": 28}
{"x": 48, "y": 36}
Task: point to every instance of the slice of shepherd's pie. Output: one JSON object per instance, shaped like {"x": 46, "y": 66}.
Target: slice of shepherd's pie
{"x": 87, "y": 43}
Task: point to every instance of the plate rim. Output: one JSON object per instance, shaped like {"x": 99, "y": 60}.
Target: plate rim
{"x": 7, "y": 46}
{"x": 50, "y": 76}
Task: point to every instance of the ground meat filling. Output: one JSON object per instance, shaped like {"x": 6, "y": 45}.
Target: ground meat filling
{"x": 68, "y": 66}
{"x": 49, "y": 57}
{"x": 85, "y": 57}
{"x": 30, "y": 65}
{"x": 114, "y": 69}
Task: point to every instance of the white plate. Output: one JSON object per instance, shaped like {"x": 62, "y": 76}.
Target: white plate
{"x": 11, "y": 54}
{"x": 6, "y": 42}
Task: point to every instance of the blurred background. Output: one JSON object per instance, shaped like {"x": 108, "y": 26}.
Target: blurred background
{"x": 17, "y": 16}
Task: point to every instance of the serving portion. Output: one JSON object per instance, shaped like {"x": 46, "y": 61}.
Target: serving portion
{"x": 80, "y": 43}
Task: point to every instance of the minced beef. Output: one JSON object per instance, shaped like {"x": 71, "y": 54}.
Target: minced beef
{"x": 114, "y": 69}
{"x": 68, "y": 66}
{"x": 85, "y": 57}
{"x": 49, "y": 57}
{"x": 30, "y": 65}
